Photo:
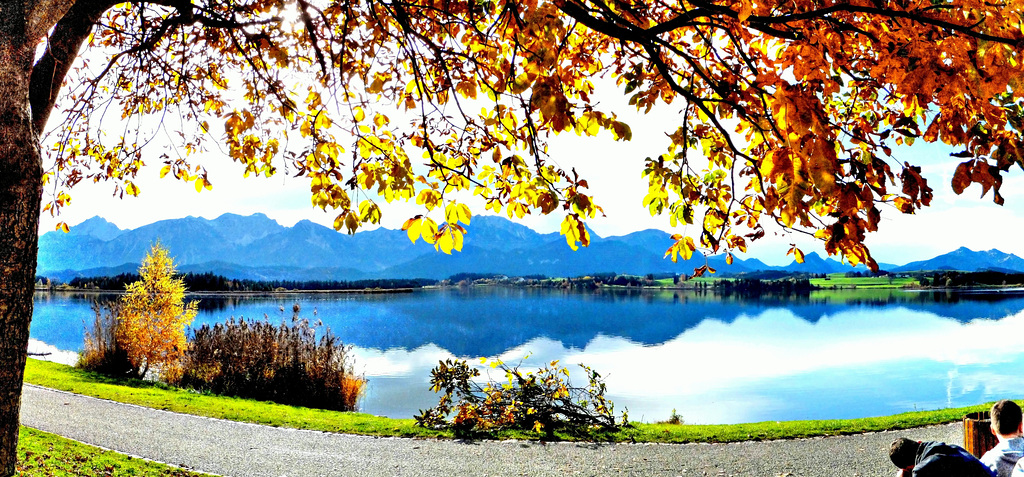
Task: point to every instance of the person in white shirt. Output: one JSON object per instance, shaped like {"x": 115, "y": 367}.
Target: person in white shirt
{"x": 1007, "y": 427}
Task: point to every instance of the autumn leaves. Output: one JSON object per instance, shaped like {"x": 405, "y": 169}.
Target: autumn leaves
{"x": 786, "y": 113}
{"x": 154, "y": 314}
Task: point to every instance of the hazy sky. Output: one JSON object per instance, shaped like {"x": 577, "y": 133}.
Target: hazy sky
{"x": 613, "y": 171}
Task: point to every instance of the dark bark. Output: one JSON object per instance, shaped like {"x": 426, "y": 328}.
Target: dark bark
{"x": 20, "y": 197}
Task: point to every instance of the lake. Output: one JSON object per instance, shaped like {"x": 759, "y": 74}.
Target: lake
{"x": 715, "y": 360}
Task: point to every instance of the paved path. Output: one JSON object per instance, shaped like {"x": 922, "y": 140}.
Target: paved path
{"x": 235, "y": 449}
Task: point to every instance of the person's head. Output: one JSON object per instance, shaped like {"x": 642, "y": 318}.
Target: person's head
{"x": 1006, "y": 418}
{"x": 903, "y": 452}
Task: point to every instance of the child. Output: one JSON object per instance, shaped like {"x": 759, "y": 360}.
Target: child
{"x": 1006, "y": 425}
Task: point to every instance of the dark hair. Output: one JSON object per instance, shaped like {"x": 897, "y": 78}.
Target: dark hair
{"x": 1006, "y": 417}
{"x": 903, "y": 452}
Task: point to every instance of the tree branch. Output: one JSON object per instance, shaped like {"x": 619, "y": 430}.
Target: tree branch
{"x": 61, "y": 50}
{"x": 44, "y": 14}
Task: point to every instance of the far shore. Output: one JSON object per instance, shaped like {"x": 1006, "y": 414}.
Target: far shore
{"x": 97, "y": 291}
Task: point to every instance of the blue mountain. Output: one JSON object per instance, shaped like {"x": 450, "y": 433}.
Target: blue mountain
{"x": 967, "y": 260}
{"x": 257, "y": 247}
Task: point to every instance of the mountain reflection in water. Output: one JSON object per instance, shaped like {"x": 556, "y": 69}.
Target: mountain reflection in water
{"x": 826, "y": 354}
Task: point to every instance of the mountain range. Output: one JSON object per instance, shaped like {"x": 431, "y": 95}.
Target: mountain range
{"x": 257, "y": 247}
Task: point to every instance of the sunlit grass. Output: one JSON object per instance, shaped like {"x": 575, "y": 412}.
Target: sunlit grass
{"x": 162, "y": 396}
{"x": 44, "y": 454}
{"x": 159, "y": 396}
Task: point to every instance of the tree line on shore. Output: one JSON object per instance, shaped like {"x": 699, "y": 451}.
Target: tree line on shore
{"x": 783, "y": 283}
{"x": 210, "y": 282}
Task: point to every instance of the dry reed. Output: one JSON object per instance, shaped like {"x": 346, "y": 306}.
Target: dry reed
{"x": 284, "y": 363}
{"x": 103, "y": 353}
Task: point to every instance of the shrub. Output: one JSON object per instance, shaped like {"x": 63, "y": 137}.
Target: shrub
{"x": 284, "y": 363}
{"x": 544, "y": 401}
{"x": 103, "y": 352}
{"x": 674, "y": 419}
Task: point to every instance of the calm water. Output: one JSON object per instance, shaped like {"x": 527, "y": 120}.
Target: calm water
{"x": 712, "y": 359}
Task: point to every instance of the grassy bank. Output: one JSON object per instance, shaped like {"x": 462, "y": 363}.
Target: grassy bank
{"x": 44, "y": 454}
{"x": 159, "y": 396}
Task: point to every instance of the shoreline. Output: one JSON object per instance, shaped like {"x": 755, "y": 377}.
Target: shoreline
{"x": 369, "y": 291}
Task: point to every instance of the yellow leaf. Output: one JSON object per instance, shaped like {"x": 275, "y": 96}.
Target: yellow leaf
{"x": 451, "y": 214}
{"x": 688, "y": 248}
{"x": 428, "y": 230}
{"x": 322, "y": 121}
{"x": 798, "y": 254}
{"x": 412, "y": 228}
{"x": 571, "y": 232}
{"x": 369, "y": 212}
{"x": 359, "y": 114}
{"x": 63, "y": 227}
{"x": 445, "y": 243}
{"x": 457, "y": 237}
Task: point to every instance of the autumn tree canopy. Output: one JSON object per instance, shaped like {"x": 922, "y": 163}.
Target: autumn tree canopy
{"x": 786, "y": 112}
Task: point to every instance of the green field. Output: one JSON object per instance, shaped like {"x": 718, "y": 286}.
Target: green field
{"x": 835, "y": 280}
{"x": 840, "y": 280}
{"x": 670, "y": 283}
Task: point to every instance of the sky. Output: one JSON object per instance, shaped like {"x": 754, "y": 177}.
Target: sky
{"x": 613, "y": 171}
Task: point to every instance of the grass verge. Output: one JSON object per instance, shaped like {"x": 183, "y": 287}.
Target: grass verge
{"x": 159, "y": 396}
{"x": 44, "y": 454}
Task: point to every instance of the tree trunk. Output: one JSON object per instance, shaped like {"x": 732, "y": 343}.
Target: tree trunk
{"x": 20, "y": 197}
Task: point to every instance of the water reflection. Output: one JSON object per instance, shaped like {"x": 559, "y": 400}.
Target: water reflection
{"x": 713, "y": 359}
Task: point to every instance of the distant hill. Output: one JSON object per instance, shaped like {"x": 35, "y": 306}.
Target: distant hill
{"x": 813, "y": 263}
{"x": 257, "y": 247}
{"x": 967, "y": 260}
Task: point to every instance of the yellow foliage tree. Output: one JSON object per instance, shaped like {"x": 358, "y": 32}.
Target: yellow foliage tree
{"x": 154, "y": 314}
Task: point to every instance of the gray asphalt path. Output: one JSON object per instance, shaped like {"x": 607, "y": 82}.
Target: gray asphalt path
{"x": 235, "y": 449}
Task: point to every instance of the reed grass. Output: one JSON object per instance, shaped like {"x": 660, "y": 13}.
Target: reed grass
{"x": 291, "y": 363}
{"x": 103, "y": 352}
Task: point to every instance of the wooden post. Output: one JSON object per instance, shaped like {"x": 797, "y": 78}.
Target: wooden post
{"x": 978, "y": 437}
